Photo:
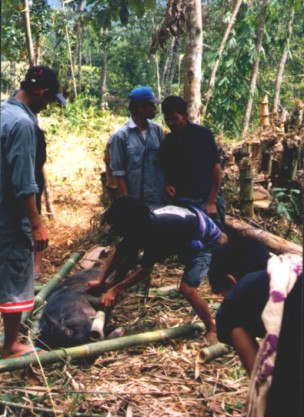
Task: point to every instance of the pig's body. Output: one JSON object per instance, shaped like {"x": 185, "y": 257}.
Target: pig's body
{"x": 67, "y": 317}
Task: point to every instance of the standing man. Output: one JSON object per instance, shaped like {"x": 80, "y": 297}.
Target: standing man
{"x": 21, "y": 228}
{"x": 135, "y": 151}
{"x": 191, "y": 160}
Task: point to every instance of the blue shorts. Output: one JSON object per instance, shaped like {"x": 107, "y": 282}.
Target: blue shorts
{"x": 16, "y": 276}
{"x": 196, "y": 267}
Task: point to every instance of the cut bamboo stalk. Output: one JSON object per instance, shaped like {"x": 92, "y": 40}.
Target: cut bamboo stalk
{"x": 212, "y": 352}
{"x": 246, "y": 188}
{"x": 98, "y": 348}
{"x": 264, "y": 112}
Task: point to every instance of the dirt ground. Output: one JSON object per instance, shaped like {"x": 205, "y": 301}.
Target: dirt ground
{"x": 156, "y": 379}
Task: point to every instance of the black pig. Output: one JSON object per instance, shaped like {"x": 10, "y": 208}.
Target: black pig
{"x": 69, "y": 312}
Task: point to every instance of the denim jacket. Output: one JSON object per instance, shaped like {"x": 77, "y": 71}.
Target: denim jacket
{"x": 138, "y": 160}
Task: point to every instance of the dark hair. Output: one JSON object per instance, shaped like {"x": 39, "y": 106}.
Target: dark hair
{"x": 173, "y": 104}
{"x": 239, "y": 257}
{"x": 128, "y": 215}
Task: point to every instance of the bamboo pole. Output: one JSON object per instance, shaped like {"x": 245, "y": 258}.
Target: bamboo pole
{"x": 54, "y": 281}
{"x": 98, "y": 348}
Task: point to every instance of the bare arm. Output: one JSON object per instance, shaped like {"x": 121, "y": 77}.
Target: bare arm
{"x": 215, "y": 186}
{"x": 39, "y": 232}
{"x": 122, "y": 185}
{"x": 108, "y": 299}
{"x": 113, "y": 262}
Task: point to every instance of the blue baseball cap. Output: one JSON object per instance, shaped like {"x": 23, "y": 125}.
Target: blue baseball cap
{"x": 143, "y": 94}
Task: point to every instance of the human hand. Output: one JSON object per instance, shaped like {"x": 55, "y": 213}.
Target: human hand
{"x": 40, "y": 237}
{"x": 170, "y": 190}
{"x": 108, "y": 299}
{"x": 92, "y": 284}
{"x": 211, "y": 209}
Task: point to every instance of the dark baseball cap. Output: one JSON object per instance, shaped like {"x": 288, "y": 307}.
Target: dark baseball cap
{"x": 42, "y": 77}
{"x": 143, "y": 94}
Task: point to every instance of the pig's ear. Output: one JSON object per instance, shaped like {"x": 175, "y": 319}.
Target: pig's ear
{"x": 58, "y": 327}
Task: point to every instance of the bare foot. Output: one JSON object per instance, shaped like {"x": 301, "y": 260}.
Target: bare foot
{"x": 211, "y": 338}
{"x": 19, "y": 349}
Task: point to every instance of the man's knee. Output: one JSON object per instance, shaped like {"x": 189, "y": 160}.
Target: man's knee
{"x": 187, "y": 290}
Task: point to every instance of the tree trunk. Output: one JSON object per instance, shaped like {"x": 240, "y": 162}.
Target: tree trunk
{"x": 279, "y": 77}
{"x": 37, "y": 50}
{"x": 193, "y": 58}
{"x": 219, "y": 55}
{"x": 47, "y": 195}
{"x": 274, "y": 243}
{"x": 28, "y": 32}
{"x": 13, "y": 78}
{"x": 172, "y": 65}
{"x": 79, "y": 35}
{"x": 103, "y": 80}
{"x": 255, "y": 68}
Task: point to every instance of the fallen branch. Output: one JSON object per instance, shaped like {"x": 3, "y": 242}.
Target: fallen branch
{"x": 274, "y": 243}
{"x": 95, "y": 349}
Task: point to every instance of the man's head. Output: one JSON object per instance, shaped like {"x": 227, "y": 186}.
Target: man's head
{"x": 143, "y": 102}
{"x": 174, "y": 109}
{"x": 42, "y": 85}
{"x": 128, "y": 216}
{"x": 233, "y": 260}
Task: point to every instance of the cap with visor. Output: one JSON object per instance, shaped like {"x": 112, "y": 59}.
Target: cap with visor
{"x": 43, "y": 78}
{"x": 143, "y": 93}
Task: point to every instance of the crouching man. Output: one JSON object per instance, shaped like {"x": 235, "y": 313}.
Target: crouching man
{"x": 263, "y": 299}
{"x": 163, "y": 232}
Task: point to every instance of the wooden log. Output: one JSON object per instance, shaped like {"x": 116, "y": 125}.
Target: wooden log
{"x": 98, "y": 348}
{"x": 274, "y": 243}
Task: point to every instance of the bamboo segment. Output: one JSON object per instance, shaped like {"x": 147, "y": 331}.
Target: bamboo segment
{"x": 264, "y": 112}
{"x": 212, "y": 352}
{"x": 246, "y": 188}
{"x": 95, "y": 349}
{"x": 54, "y": 281}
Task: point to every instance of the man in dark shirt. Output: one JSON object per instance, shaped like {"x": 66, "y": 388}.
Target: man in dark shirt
{"x": 191, "y": 161}
{"x": 160, "y": 233}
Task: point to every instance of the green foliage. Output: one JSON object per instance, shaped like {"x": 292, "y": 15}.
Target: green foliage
{"x": 123, "y": 30}
{"x": 287, "y": 203}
